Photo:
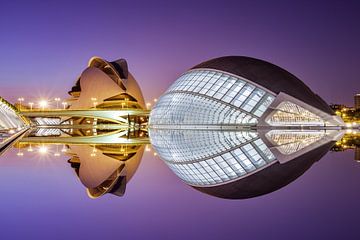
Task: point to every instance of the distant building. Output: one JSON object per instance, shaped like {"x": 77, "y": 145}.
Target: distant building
{"x": 357, "y": 101}
{"x": 337, "y": 107}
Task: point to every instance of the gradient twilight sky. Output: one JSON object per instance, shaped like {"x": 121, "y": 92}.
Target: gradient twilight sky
{"x": 45, "y": 45}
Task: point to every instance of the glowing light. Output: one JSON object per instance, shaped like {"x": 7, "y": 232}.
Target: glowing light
{"x": 20, "y": 99}
{"x": 43, "y": 150}
{"x": 20, "y": 154}
{"x": 64, "y": 104}
{"x": 31, "y": 105}
{"x": 148, "y": 105}
{"x": 147, "y": 149}
{"x": 57, "y": 100}
{"x": 43, "y": 104}
{"x": 56, "y": 154}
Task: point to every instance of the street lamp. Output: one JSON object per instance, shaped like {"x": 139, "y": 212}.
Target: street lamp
{"x": 31, "y": 105}
{"x": 64, "y": 104}
{"x": 21, "y": 99}
{"x": 57, "y": 100}
{"x": 93, "y": 99}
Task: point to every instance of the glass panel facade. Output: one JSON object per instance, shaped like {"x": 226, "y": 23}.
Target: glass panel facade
{"x": 288, "y": 113}
{"x": 211, "y": 97}
{"x": 204, "y": 157}
{"x": 289, "y": 142}
{"x": 9, "y": 118}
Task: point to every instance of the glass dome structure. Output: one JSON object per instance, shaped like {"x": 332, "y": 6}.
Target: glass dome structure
{"x": 240, "y": 91}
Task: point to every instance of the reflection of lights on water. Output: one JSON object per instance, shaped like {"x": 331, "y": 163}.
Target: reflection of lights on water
{"x": 56, "y": 154}
{"x": 94, "y": 150}
{"x": 147, "y": 148}
{"x": 20, "y": 154}
{"x": 63, "y": 149}
{"x": 155, "y": 154}
{"x": 30, "y": 149}
{"x": 348, "y": 131}
{"x": 43, "y": 149}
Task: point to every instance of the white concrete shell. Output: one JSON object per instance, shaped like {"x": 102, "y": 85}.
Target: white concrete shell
{"x": 103, "y": 80}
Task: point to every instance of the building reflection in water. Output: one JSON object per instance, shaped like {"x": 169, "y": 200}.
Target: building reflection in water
{"x": 105, "y": 168}
{"x": 101, "y": 166}
{"x": 226, "y": 164}
{"x": 240, "y": 164}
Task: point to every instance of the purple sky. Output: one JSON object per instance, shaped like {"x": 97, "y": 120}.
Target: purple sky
{"x": 46, "y": 45}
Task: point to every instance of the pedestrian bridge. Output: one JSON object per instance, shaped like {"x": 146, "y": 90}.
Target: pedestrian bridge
{"x": 118, "y": 116}
{"x": 115, "y": 137}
